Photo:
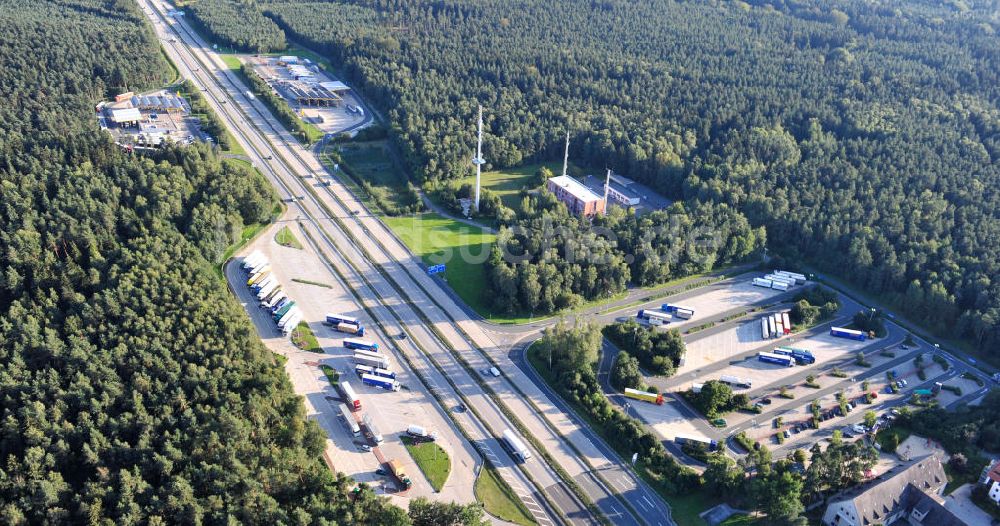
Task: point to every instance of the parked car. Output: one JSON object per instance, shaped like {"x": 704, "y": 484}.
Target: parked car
{"x": 765, "y": 401}
{"x": 787, "y": 434}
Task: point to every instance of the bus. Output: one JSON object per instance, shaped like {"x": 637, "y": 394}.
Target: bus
{"x": 358, "y": 344}
{"x": 515, "y": 445}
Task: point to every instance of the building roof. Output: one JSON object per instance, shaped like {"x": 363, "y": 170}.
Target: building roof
{"x": 877, "y": 498}
{"x": 335, "y": 86}
{"x": 994, "y": 472}
{"x": 623, "y": 189}
{"x": 126, "y": 115}
{"x": 932, "y": 511}
{"x": 575, "y": 188}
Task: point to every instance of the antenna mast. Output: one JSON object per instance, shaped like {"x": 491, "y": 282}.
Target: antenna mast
{"x": 478, "y": 159}
{"x": 607, "y": 185}
{"x": 566, "y": 155}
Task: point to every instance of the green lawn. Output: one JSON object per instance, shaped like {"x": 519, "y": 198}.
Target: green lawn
{"x": 431, "y": 459}
{"x": 372, "y": 163}
{"x": 499, "y": 500}
{"x": 231, "y": 62}
{"x": 883, "y": 435}
{"x": 508, "y": 183}
{"x": 331, "y": 374}
{"x": 462, "y": 248}
{"x": 286, "y": 238}
{"x": 304, "y": 339}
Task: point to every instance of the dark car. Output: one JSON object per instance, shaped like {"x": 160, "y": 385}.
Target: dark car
{"x": 765, "y": 401}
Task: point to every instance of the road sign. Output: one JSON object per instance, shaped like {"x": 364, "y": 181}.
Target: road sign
{"x": 435, "y": 269}
{"x": 635, "y": 456}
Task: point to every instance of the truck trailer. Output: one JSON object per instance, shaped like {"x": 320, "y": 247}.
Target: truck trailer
{"x": 259, "y": 276}
{"x": 762, "y": 282}
{"x": 654, "y": 317}
{"x": 274, "y": 299}
{"x": 850, "y": 334}
{"x": 421, "y": 432}
{"x": 266, "y": 291}
{"x": 352, "y": 423}
{"x": 350, "y": 328}
{"x": 515, "y": 445}
{"x": 786, "y": 322}
{"x": 777, "y": 285}
{"x": 801, "y": 356}
{"x": 252, "y": 260}
{"x": 678, "y": 311}
{"x": 375, "y": 361}
{"x": 350, "y": 397}
{"x": 653, "y": 398}
{"x": 382, "y": 383}
{"x": 777, "y": 359}
{"x": 799, "y": 278}
{"x": 364, "y": 345}
{"x": 397, "y": 470}
{"x": 709, "y": 444}
{"x": 278, "y": 314}
{"x": 336, "y": 319}
{"x": 735, "y": 381}
{"x": 372, "y": 430}
{"x": 266, "y": 282}
{"x": 765, "y": 331}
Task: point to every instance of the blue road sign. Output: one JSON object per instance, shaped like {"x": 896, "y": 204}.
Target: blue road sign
{"x": 435, "y": 269}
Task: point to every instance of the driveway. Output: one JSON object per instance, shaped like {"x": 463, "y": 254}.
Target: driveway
{"x": 960, "y": 503}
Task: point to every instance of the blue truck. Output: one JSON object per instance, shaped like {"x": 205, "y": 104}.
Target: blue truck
{"x": 777, "y": 359}
{"x": 382, "y": 383}
{"x": 802, "y": 356}
{"x": 850, "y": 334}
{"x": 364, "y": 345}
{"x": 678, "y": 311}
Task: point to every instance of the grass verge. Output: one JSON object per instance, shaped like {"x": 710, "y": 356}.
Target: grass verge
{"x": 499, "y": 499}
{"x": 462, "y": 248}
{"x": 431, "y": 459}
{"x": 286, "y": 238}
{"x": 249, "y": 233}
{"x": 331, "y": 374}
{"x": 304, "y": 339}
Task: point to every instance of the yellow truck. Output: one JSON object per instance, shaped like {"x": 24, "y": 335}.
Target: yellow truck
{"x": 397, "y": 469}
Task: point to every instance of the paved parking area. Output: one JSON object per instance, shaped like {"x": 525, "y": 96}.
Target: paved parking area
{"x": 391, "y": 412}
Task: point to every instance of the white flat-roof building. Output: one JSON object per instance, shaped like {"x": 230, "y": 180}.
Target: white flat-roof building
{"x": 335, "y": 86}
{"x": 580, "y": 199}
{"x": 621, "y": 193}
{"x": 126, "y": 116}
{"x": 289, "y": 59}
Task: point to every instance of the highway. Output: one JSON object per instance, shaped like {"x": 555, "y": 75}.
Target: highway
{"x": 446, "y": 344}
{"x": 483, "y": 418}
{"x": 390, "y": 276}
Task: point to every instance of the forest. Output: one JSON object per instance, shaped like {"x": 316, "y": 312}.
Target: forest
{"x": 133, "y": 389}
{"x": 547, "y": 260}
{"x": 863, "y": 135}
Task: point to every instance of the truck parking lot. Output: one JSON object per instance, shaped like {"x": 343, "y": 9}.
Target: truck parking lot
{"x": 727, "y": 344}
{"x": 391, "y": 412}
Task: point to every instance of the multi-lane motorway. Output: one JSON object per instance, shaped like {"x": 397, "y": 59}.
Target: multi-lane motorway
{"x": 422, "y": 321}
{"x": 392, "y": 287}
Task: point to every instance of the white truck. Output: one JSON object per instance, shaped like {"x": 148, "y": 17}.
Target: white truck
{"x": 421, "y": 432}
